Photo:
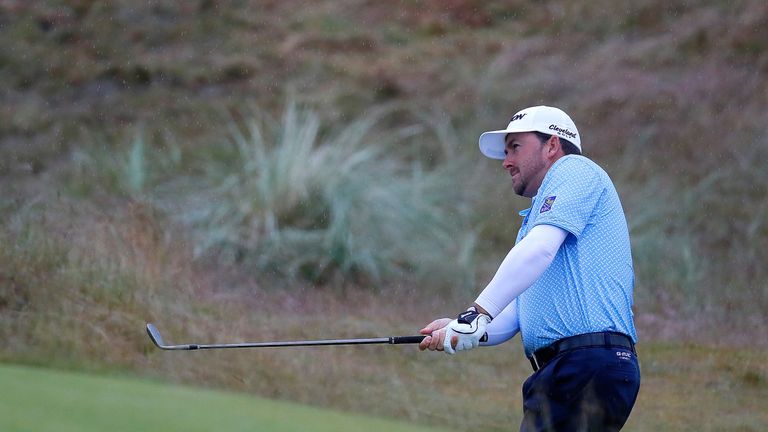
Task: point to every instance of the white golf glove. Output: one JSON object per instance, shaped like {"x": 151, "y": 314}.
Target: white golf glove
{"x": 469, "y": 327}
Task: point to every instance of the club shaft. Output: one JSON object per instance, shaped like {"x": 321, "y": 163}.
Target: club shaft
{"x": 154, "y": 334}
{"x": 294, "y": 343}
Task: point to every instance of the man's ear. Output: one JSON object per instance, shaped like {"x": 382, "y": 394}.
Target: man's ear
{"x": 553, "y": 145}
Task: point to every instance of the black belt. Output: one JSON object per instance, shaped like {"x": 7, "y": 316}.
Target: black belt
{"x": 602, "y": 339}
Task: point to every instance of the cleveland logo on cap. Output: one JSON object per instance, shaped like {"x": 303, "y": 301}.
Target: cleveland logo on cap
{"x": 565, "y": 132}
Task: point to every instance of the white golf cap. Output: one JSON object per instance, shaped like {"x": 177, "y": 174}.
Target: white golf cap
{"x": 544, "y": 119}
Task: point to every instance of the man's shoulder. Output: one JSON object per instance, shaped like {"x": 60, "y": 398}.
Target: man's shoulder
{"x": 574, "y": 161}
{"x": 577, "y": 165}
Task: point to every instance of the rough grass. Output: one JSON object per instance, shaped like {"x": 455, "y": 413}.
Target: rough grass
{"x": 83, "y": 306}
{"x": 692, "y": 387}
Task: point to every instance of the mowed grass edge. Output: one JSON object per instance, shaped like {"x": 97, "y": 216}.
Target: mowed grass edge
{"x": 48, "y": 400}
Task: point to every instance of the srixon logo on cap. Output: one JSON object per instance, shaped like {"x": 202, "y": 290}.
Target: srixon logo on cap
{"x": 517, "y": 117}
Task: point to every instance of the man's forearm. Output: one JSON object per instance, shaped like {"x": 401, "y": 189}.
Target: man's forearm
{"x": 523, "y": 265}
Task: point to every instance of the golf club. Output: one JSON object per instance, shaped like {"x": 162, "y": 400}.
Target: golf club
{"x": 154, "y": 334}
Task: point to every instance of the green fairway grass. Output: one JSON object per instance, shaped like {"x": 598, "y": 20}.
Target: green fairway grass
{"x": 44, "y": 400}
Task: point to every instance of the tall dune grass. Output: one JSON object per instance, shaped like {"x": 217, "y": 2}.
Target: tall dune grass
{"x": 346, "y": 204}
{"x": 125, "y": 165}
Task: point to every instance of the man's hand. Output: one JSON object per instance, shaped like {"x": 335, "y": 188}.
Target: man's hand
{"x": 441, "y": 336}
{"x": 435, "y": 332}
{"x": 466, "y": 331}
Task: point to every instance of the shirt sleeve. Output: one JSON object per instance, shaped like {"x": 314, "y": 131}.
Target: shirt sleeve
{"x": 504, "y": 327}
{"x": 523, "y": 265}
{"x": 570, "y": 197}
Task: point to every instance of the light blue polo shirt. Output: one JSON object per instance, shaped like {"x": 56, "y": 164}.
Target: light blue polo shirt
{"x": 589, "y": 285}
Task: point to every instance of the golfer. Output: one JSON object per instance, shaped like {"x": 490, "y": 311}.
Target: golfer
{"x": 566, "y": 285}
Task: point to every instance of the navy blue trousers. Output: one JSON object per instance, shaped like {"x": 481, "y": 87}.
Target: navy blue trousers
{"x": 585, "y": 389}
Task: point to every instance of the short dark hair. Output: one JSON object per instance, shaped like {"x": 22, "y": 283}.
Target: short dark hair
{"x": 568, "y": 147}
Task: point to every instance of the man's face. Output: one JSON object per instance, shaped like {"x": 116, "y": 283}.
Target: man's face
{"x": 526, "y": 161}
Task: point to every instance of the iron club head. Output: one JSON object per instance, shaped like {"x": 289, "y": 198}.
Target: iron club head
{"x": 154, "y": 334}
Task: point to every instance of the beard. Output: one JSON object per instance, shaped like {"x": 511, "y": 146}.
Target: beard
{"x": 519, "y": 187}
{"x": 527, "y": 185}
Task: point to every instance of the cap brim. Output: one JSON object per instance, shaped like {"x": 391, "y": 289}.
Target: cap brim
{"x": 492, "y": 144}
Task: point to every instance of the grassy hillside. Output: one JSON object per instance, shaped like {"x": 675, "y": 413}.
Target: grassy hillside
{"x": 113, "y": 106}
{"x": 254, "y": 170}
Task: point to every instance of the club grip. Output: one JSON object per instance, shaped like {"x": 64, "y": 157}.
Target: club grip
{"x": 406, "y": 339}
